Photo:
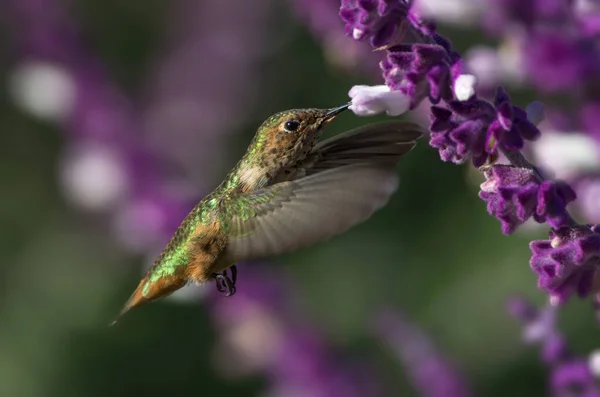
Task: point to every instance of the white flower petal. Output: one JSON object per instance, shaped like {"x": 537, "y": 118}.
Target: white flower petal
{"x": 357, "y": 34}
{"x": 464, "y": 86}
{"x": 372, "y": 100}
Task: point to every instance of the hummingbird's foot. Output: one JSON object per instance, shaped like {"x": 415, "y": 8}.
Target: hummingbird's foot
{"x": 225, "y": 283}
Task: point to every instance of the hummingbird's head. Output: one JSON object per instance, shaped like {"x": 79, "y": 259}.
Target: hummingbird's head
{"x": 291, "y": 134}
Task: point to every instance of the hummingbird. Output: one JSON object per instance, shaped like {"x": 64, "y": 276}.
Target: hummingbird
{"x": 288, "y": 191}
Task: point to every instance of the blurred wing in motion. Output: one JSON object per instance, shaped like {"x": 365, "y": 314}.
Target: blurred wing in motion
{"x": 347, "y": 179}
{"x": 378, "y": 143}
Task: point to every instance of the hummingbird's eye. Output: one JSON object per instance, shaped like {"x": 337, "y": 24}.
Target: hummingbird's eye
{"x": 291, "y": 126}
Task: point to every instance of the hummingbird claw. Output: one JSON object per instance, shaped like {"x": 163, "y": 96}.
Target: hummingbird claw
{"x": 233, "y": 274}
{"x": 225, "y": 283}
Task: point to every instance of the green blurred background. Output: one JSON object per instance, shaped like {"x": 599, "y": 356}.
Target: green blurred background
{"x": 433, "y": 252}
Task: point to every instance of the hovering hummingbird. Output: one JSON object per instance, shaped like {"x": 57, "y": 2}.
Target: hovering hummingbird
{"x": 287, "y": 192}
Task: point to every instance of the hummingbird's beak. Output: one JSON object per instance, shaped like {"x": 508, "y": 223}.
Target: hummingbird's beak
{"x": 331, "y": 113}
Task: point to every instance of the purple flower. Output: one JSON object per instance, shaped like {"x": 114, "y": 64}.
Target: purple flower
{"x": 379, "y": 20}
{"x": 476, "y": 129}
{"x": 573, "y": 376}
{"x": 567, "y": 262}
{"x": 514, "y": 194}
{"x": 588, "y": 18}
{"x": 423, "y": 70}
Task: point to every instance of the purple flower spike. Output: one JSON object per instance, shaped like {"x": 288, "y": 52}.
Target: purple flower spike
{"x": 567, "y": 262}
{"x": 427, "y": 67}
{"x": 514, "y": 195}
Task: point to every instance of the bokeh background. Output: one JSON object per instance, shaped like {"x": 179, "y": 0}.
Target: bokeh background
{"x": 117, "y": 116}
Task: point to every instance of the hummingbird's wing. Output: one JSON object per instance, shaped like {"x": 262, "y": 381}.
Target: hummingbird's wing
{"x": 337, "y": 194}
{"x": 382, "y": 142}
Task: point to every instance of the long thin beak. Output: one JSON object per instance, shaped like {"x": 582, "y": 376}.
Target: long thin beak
{"x": 335, "y": 111}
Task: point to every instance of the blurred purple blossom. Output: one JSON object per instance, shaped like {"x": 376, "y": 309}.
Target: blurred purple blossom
{"x": 264, "y": 332}
{"x": 494, "y": 66}
{"x": 554, "y": 62}
{"x": 116, "y": 161}
{"x": 321, "y": 17}
{"x": 589, "y": 117}
{"x": 587, "y": 186}
{"x": 100, "y": 120}
{"x": 571, "y": 375}
{"x": 431, "y": 374}
{"x": 193, "y": 104}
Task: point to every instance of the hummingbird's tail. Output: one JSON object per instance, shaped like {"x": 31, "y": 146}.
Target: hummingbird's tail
{"x": 136, "y": 299}
{"x": 149, "y": 290}
{"x": 124, "y": 310}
